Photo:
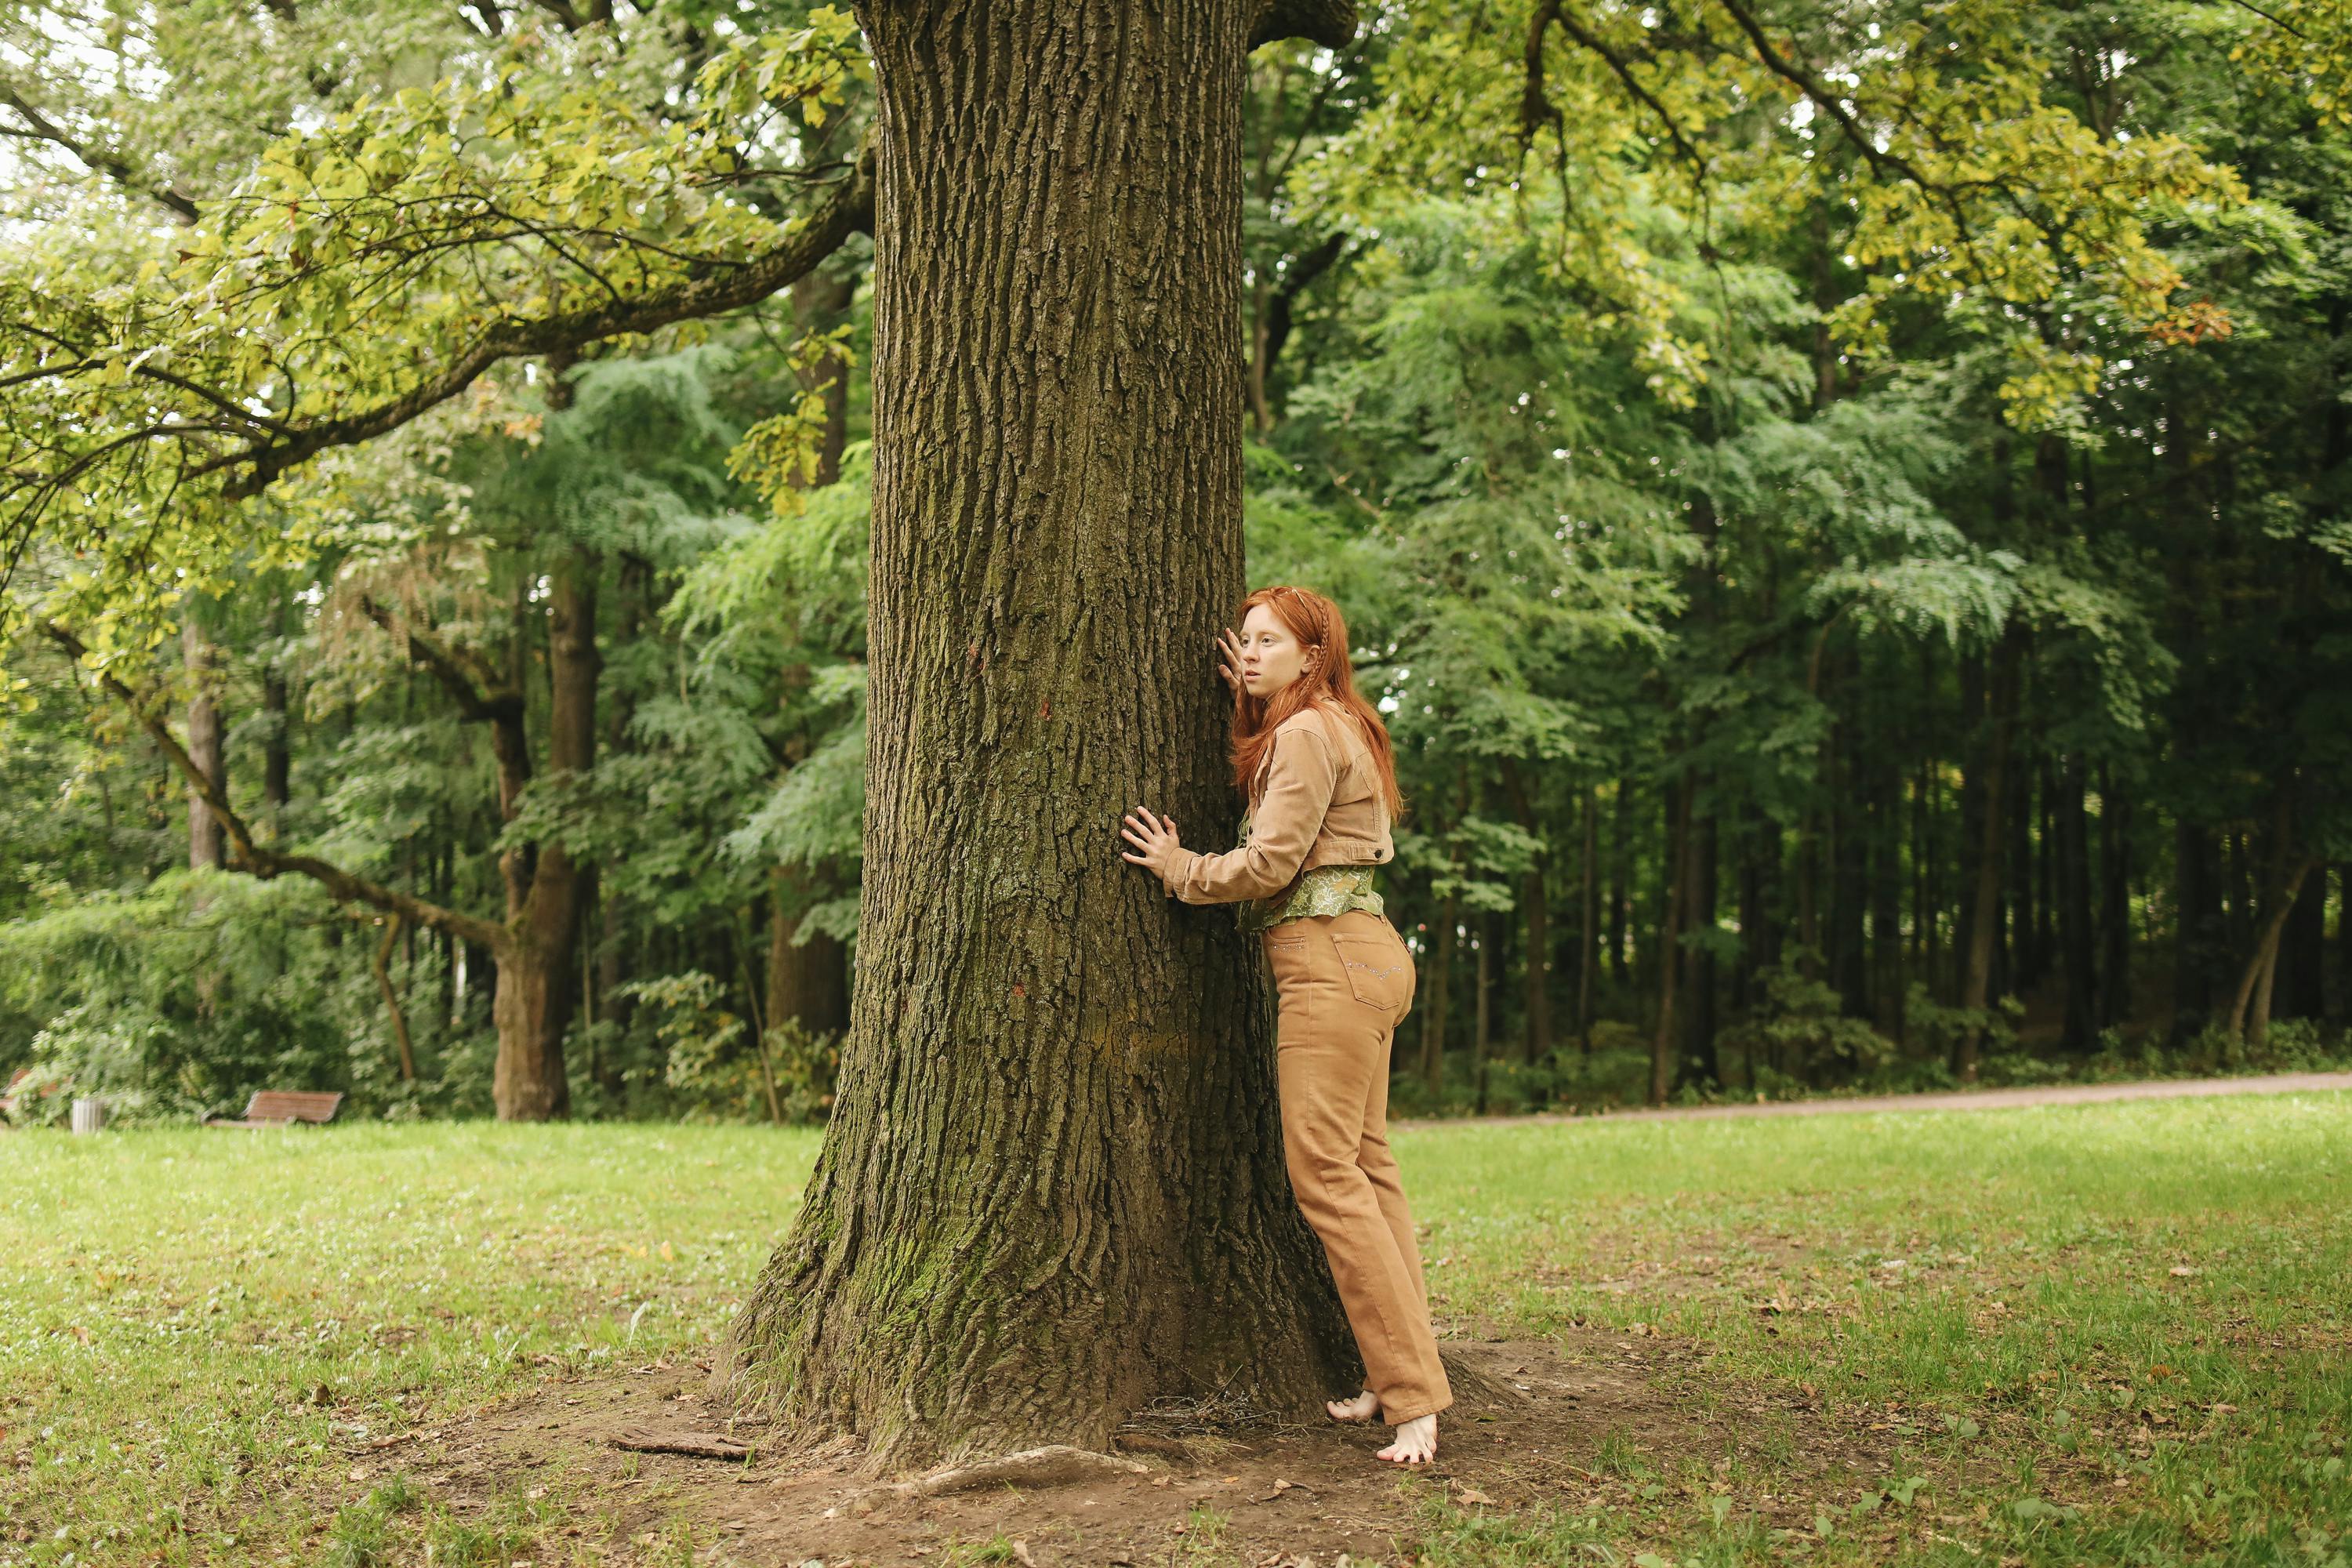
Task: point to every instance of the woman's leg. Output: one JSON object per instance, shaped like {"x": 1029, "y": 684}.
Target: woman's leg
{"x": 1380, "y": 1168}
{"x": 1333, "y": 1045}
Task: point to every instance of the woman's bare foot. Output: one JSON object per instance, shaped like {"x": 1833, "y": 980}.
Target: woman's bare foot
{"x": 1416, "y": 1442}
{"x": 1363, "y": 1407}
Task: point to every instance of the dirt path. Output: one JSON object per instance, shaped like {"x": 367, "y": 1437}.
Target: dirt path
{"x": 1963, "y": 1100}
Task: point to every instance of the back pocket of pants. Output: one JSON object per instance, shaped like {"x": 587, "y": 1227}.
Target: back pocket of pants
{"x": 1379, "y": 973}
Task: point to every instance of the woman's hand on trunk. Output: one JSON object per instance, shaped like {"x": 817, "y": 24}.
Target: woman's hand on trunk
{"x": 1154, "y": 836}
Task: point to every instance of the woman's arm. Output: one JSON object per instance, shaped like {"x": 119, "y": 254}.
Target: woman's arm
{"x": 1298, "y": 788}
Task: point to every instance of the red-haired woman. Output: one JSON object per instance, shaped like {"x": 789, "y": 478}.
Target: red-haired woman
{"x": 1314, "y": 760}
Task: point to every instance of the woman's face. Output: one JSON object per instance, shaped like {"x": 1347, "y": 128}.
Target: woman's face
{"x": 1271, "y": 657}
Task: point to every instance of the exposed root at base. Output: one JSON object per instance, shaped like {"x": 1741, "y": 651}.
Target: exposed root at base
{"x": 1057, "y": 1464}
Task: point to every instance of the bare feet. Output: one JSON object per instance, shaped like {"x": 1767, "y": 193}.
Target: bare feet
{"x": 1363, "y": 1407}
{"x": 1416, "y": 1442}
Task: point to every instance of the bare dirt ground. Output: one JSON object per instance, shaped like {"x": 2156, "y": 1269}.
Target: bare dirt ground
{"x": 1967, "y": 1099}
{"x": 1582, "y": 1423}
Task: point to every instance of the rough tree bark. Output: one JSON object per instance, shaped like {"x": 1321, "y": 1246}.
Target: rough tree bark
{"x": 1053, "y": 1186}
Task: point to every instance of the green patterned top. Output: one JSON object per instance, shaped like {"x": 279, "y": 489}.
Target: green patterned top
{"x": 1325, "y": 890}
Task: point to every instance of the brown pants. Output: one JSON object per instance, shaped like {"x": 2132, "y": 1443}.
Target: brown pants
{"x": 1344, "y": 981}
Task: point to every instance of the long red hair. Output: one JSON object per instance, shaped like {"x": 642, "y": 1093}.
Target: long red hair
{"x": 1319, "y": 628}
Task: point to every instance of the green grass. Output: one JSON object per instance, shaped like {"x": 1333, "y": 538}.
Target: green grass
{"x": 2017, "y": 1307}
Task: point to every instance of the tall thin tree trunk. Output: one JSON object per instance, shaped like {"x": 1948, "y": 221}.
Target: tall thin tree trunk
{"x": 1535, "y": 1040}
{"x": 1481, "y": 1041}
{"x": 2303, "y": 955}
{"x": 208, "y": 839}
{"x": 2343, "y": 1000}
{"x": 381, "y": 965}
{"x": 550, "y": 890}
{"x": 2250, "y": 1011}
{"x": 1976, "y": 980}
{"x": 276, "y": 749}
{"x": 1588, "y": 918}
{"x": 2077, "y": 942}
{"x": 1662, "y": 1043}
{"x": 2024, "y": 969}
{"x": 2115, "y": 902}
{"x": 808, "y": 975}
{"x": 1621, "y": 859}
{"x": 1701, "y": 1019}
{"x": 1970, "y": 841}
{"x": 1053, "y": 1185}
{"x": 1439, "y": 982}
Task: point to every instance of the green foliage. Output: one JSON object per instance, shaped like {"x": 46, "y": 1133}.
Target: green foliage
{"x": 1695, "y": 416}
{"x": 1801, "y": 1023}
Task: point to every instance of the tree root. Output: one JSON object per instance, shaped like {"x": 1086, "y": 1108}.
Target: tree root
{"x": 693, "y": 1445}
{"x": 1057, "y": 1465}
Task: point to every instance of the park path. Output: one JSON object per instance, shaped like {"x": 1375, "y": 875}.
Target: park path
{"x": 1960, "y": 1099}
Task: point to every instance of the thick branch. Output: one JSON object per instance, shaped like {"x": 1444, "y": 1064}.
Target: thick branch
{"x": 461, "y": 672}
{"x": 260, "y": 860}
{"x": 849, "y": 210}
{"x": 1330, "y": 23}
{"x": 111, "y": 164}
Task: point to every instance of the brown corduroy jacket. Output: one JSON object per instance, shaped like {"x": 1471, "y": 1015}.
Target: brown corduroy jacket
{"x": 1318, "y": 803}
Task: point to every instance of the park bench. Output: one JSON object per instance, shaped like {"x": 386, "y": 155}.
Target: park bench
{"x": 283, "y": 1107}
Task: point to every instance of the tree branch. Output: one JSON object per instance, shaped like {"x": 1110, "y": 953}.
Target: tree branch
{"x": 260, "y": 860}
{"x": 848, "y": 210}
{"x": 1330, "y": 23}
{"x": 1535, "y": 102}
{"x": 483, "y": 698}
{"x": 1828, "y": 102}
{"x": 111, "y": 164}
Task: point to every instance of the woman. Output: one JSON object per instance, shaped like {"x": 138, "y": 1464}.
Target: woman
{"x": 1314, "y": 761}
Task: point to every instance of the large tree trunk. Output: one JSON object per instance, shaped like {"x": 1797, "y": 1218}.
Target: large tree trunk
{"x": 1053, "y": 1185}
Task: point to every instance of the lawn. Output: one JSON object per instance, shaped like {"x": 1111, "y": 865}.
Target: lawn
{"x": 2117, "y": 1333}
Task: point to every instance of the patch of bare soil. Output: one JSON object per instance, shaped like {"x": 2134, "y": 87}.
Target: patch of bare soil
{"x": 1596, "y": 1420}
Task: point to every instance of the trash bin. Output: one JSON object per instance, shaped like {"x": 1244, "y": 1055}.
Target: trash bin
{"x": 89, "y": 1114}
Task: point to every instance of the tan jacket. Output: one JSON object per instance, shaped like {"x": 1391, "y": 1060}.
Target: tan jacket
{"x": 1318, "y": 803}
